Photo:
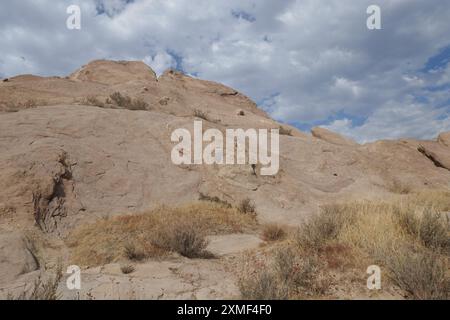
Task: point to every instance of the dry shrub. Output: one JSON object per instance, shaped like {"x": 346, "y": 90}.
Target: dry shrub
{"x": 273, "y": 232}
{"x": 127, "y": 269}
{"x": 399, "y": 187}
{"x": 420, "y": 273}
{"x": 204, "y": 197}
{"x": 42, "y": 289}
{"x": 439, "y": 200}
{"x": 338, "y": 256}
{"x": 409, "y": 236}
{"x": 134, "y": 253}
{"x": 426, "y": 224}
{"x": 154, "y": 233}
{"x": 28, "y": 104}
{"x": 120, "y": 100}
{"x": 265, "y": 285}
{"x": 246, "y": 206}
{"x": 183, "y": 237}
{"x": 323, "y": 227}
{"x": 94, "y": 101}
{"x": 200, "y": 114}
{"x": 434, "y": 230}
{"x": 127, "y": 102}
{"x": 139, "y": 104}
{"x": 289, "y": 275}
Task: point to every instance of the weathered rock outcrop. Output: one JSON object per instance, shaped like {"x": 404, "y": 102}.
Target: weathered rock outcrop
{"x": 64, "y": 163}
{"x": 332, "y": 137}
{"x": 16, "y": 257}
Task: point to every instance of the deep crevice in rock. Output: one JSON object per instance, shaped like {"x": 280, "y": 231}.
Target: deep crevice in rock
{"x": 50, "y": 209}
{"x": 430, "y": 156}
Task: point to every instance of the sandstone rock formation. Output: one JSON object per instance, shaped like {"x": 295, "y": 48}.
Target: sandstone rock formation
{"x": 67, "y": 157}
{"x": 331, "y": 137}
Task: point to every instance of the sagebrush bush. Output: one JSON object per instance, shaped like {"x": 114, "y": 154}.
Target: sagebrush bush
{"x": 120, "y": 100}
{"x": 215, "y": 199}
{"x": 420, "y": 273}
{"x": 138, "y": 104}
{"x": 399, "y": 187}
{"x": 264, "y": 285}
{"x": 134, "y": 253}
{"x": 42, "y": 289}
{"x": 323, "y": 227}
{"x": 273, "y": 232}
{"x": 127, "y": 102}
{"x": 288, "y": 274}
{"x": 183, "y": 237}
{"x": 200, "y": 114}
{"x": 127, "y": 269}
{"x": 434, "y": 230}
{"x": 246, "y": 206}
{"x": 94, "y": 101}
{"x": 138, "y": 237}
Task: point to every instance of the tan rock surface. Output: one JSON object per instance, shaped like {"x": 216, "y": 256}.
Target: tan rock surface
{"x": 64, "y": 163}
{"x": 332, "y": 137}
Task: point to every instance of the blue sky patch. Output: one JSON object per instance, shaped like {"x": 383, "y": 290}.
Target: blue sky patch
{"x": 438, "y": 61}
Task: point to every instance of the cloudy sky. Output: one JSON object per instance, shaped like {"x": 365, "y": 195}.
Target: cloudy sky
{"x": 306, "y": 62}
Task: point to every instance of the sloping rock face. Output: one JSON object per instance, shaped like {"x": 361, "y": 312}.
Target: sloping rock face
{"x": 437, "y": 153}
{"x": 444, "y": 139}
{"x": 114, "y": 72}
{"x": 331, "y": 137}
{"x": 16, "y": 257}
{"x": 64, "y": 163}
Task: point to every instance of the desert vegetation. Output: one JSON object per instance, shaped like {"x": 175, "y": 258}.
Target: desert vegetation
{"x": 42, "y": 288}
{"x": 201, "y": 114}
{"x": 407, "y": 237}
{"x": 127, "y": 269}
{"x": 246, "y": 206}
{"x": 117, "y": 100}
{"x": 156, "y": 234}
{"x": 273, "y": 232}
{"x": 15, "y": 107}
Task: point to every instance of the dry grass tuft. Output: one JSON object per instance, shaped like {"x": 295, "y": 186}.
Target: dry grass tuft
{"x": 214, "y": 199}
{"x": 155, "y": 233}
{"x": 246, "y": 206}
{"x": 408, "y": 237}
{"x": 138, "y": 104}
{"x": 288, "y": 275}
{"x": 42, "y": 289}
{"x": 399, "y": 187}
{"x": 422, "y": 274}
{"x": 94, "y": 101}
{"x": 184, "y": 237}
{"x": 273, "y": 232}
{"x": 127, "y": 102}
{"x": 127, "y": 269}
{"x": 201, "y": 114}
{"x": 324, "y": 227}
